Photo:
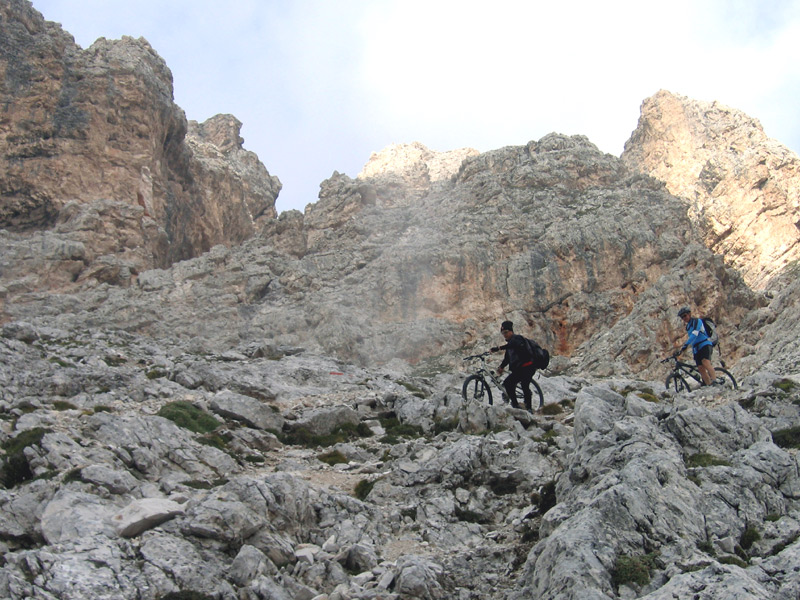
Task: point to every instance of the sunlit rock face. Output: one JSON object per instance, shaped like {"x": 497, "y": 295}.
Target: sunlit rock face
{"x": 100, "y": 126}
{"x": 743, "y": 188}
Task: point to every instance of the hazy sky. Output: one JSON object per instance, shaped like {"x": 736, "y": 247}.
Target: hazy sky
{"x": 321, "y": 84}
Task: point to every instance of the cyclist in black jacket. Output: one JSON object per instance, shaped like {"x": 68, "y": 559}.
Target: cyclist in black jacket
{"x": 519, "y": 358}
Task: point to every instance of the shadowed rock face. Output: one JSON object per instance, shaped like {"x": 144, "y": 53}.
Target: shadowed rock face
{"x": 742, "y": 188}
{"x": 100, "y": 124}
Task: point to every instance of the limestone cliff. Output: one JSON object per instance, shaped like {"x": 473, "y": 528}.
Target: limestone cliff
{"x": 100, "y": 126}
{"x": 742, "y": 187}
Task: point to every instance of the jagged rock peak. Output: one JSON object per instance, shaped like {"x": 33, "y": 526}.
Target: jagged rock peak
{"x": 399, "y": 159}
{"x": 743, "y": 187}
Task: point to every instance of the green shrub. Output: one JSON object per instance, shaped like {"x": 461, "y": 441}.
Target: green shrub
{"x": 547, "y": 497}
{"x": 749, "y": 537}
{"x": 703, "y": 459}
{"x": 363, "y": 488}
{"x": 255, "y": 458}
{"x": 156, "y": 373}
{"x": 787, "y": 438}
{"x": 15, "y": 468}
{"x": 785, "y": 385}
{"x": 102, "y": 408}
{"x": 186, "y": 415}
{"x": 633, "y": 569}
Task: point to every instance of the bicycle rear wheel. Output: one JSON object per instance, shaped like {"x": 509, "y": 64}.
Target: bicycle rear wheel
{"x": 725, "y": 379}
{"x": 676, "y": 383}
{"x": 536, "y": 394}
{"x": 476, "y": 388}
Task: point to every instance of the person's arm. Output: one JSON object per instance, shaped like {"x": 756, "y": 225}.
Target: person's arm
{"x": 693, "y": 330}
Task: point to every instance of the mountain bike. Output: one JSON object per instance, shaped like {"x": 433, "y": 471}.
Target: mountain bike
{"x": 476, "y": 386}
{"x": 681, "y": 372}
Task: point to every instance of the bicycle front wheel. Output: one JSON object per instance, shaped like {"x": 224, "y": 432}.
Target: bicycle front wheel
{"x": 725, "y": 379}
{"x": 476, "y": 388}
{"x": 676, "y": 383}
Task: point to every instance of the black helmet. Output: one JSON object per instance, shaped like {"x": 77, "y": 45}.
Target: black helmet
{"x": 684, "y": 311}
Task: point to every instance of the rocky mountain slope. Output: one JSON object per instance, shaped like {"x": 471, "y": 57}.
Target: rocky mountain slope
{"x": 201, "y": 399}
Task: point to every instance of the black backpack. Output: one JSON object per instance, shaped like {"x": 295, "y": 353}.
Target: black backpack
{"x": 540, "y": 356}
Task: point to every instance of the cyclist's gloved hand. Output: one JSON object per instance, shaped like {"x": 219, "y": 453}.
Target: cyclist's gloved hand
{"x": 494, "y": 349}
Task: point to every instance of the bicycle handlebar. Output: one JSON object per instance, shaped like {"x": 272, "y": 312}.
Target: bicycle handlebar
{"x": 481, "y": 355}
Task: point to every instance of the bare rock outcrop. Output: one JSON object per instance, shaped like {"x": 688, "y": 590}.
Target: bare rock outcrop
{"x": 743, "y": 187}
{"x": 98, "y": 125}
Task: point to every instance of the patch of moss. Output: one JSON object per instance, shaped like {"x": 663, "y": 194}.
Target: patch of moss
{"x": 102, "y": 408}
{"x": 186, "y": 415}
{"x": 772, "y": 517}
{"x": 415, "y": 391}
{"x": 733, "y": 560}
{"x": 343, "y": 433}
{"x": 704, "y": 459}
{"x": 63, "y": 405}
{"x": 156, "y": 373}
{"x": 648, "y": 397}
{"x": 363, "y": 488}
{"x": 785, "y": 385}
{"x": 395, "y": 428}
{"x": 445, "y": 426}
{"x": 787, "y": 438}
{"x": 552, "y": 409}
{"x": 220, "y": 442}
{"x": 332, "y": 458}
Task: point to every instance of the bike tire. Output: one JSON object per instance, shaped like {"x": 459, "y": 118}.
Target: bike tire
{"x": 676, "y": 383}
{"x": 728, "y": 380}
{"x": 476, "y": 388}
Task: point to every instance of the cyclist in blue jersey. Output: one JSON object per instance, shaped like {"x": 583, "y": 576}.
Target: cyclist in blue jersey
{"x": 700, "y": 343}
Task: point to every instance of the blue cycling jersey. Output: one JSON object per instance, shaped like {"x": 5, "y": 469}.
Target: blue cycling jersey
{"x": 697, "y": 335}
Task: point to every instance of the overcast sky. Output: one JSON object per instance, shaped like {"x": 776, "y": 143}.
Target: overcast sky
{"x": 320, "y": 84}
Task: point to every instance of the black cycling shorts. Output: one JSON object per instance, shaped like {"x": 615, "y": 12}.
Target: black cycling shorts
{"x": 704, "y": 352}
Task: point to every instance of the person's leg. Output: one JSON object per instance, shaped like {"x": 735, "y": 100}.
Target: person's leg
{"x": 703, "y": 362}
{"x": 510, "y": 384}
{"x": 525, "y": 380}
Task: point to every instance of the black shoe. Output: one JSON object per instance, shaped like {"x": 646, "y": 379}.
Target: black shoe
{"x": 515, "y": 405}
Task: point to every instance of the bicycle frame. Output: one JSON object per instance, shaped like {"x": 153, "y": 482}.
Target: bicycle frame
{"x": 680, "y": 370}
{"x": 485, "y": 375}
